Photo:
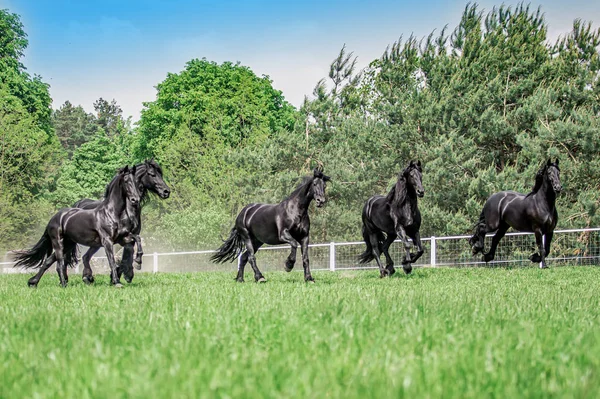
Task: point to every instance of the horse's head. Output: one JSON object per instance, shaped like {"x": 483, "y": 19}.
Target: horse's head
{"x": 152, "y": 179}
{"x": 413, "y": 175}
{"x": 130, "y": 190}
{"x": 318, "y": 185}
{"x": 552, "y": 174}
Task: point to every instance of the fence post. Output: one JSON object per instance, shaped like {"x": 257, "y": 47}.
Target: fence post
{"x": 432, "y": 252}
{"x": 332, "y": 256}
{"x": 155, "y": 267}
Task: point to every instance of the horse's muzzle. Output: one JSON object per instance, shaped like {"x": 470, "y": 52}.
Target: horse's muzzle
{"x": 420, "y": 194}
{"x": 320, "y": 203}
{"x": 165, "y": 193}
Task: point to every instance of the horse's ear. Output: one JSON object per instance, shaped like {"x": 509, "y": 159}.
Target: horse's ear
{"x": 125, "y": 169}
{"x": 556, "y": 162}
{"x": 326, "y": 178}
{"x": 316, "y": 172}
{"x": 419, "y": 164}
{"x": 133, "y": 169}
{"x": 549, "y": 162}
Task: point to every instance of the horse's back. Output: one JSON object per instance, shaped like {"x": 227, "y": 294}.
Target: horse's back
{"x": 87, "y": 203}
{"x": 508, "y": 207}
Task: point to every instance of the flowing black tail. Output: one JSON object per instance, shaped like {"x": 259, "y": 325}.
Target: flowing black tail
{"x": 368, "y": 255}
{"x": 34, "y": 258}
{"x": 231, "y": 248}
{"x": 479, "y": 231}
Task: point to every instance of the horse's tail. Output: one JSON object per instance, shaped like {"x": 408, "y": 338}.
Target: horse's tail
{"x": 231, "y": 248}
{"x": 35, "y": 256}
{"x": 368, "y": 255}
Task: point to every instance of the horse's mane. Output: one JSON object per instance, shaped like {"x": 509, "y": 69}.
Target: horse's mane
{"x": 539, "y": 180}
{"x": 115, "y": 180}
{"x": 305, "y": 180}
{"x": 398, "y": 192}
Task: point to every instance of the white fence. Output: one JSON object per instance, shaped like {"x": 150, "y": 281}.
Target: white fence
{"x": 569, "y": 247}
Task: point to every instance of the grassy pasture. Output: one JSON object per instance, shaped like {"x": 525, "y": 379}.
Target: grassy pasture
{"x": 464, "y": 333}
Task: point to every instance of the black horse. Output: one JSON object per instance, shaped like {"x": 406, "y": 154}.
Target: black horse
{"x": 534, "y": 212}
{"x": 396, "y": 215}
{"x": 149, "y": 179}
{"x": 283, "y": 223}
{"x": 98, "y": 227}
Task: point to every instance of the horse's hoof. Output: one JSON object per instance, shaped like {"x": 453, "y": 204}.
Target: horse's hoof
{"x": 261, "y": 280}
{"x": 31, "y": 285}
{"x": 390, "y": 270}
{"x": 535, "y": 258}
{"x": 407, "y": 270}
{"x": 128, "y": 279}
{"x": 487, "y": 258}
{"x": 289, "y": 266}
{"x": 118, "y": 285}
{"x": 239, "y": 280}
{"x": 88, "y": 279}
{"x": 137, "y": 265}
{"x": 543, "y": 266}
{"x": 310, "y": 280}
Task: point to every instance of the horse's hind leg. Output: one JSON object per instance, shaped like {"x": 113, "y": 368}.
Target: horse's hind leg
{"x": 478, "y": 240}
{"x": 251, "y": 250}
{"x": 502, "y": 229}
{"x": 87, "y": 275}
{"x": 385, "y": 249}
{"x": 33, "y": 282}
{"x": 243, "y": 260}
{"x": 373, "y": 239}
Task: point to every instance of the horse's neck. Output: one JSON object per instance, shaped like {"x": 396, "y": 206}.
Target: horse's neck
{"x": 115, "y": 203}
{"x": 547, "y": 194}
{"x": 302, "y": 198}
{"x": 405, "y": 208}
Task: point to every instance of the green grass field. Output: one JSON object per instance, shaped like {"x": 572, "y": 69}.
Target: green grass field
{"x": 437, "y": 333}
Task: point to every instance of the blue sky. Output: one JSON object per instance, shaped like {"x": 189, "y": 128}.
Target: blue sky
{"x": 122, "y": 49}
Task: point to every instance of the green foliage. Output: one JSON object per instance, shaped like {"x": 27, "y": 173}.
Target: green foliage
{"x": 73, "y": 126}
{"x": 28, "y": 147}
{"x": 91, "y": 168}
{"x": 439, "y": 333}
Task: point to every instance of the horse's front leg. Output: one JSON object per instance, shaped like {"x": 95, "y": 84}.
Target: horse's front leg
{"x": 401, "y": 232}
{"x": 137, "y": 262}
{"x": 416, "y": 237}
{"x": 305, "y": 263}
{"x": 539, "y": 240}
{"x": 291, "y": 260}
{"x": 110, "y": 255}
{"x": 286, "y": 237}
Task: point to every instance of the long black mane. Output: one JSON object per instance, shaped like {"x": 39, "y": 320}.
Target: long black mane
{"x": 539, "y": 180}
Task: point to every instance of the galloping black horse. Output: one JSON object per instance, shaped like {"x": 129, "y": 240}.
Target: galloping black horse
{"x": 283, "y": 223}
{"x": 534, "y": 212}
{"x": 98, "y": 227}
{"x": 396, "y": 215}
{"x": 148, "y": 178}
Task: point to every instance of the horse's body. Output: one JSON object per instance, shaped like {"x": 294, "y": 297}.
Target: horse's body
{"x": 283, "y": 223}
{"x": 148, "y": 178}
{"x": 98, "y": 227}
{"x": 535, "y": 212}
{"x": 395, "y": 215}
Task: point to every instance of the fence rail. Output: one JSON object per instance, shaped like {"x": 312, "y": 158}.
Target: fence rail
{"x": 575, "y": 246}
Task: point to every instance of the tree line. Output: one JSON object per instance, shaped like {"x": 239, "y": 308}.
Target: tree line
{"x": 481, "y": 106}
